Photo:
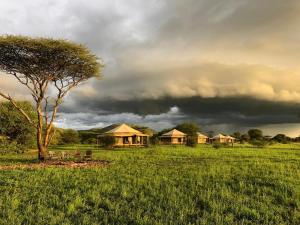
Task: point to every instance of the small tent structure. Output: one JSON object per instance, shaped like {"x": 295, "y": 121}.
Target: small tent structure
{"x": 125, "y": 136}
{"x": 173, "y": 137}
{"x": 202, "y": 139}
{"x": 223, "y": 139}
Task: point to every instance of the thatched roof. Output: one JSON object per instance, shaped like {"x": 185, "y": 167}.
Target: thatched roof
{"x": 229, "y": 137}
{"x": 201, "y": 135}
{"x": 221, "y": 136}
{"x": 121, "y": 130}
{"x": 174, "y": 133}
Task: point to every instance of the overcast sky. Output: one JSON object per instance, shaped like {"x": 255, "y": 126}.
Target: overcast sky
{"x": 226, "y": 64}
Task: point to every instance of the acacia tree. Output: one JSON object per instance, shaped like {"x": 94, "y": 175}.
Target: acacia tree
{"x": 49, "y": 69}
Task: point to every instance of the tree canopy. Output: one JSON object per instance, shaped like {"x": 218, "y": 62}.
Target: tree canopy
{"x": 188, "y": 128}
{"x": 255, "y": 134}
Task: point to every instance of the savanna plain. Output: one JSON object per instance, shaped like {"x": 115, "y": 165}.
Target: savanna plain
{"x": 157, "y": 185}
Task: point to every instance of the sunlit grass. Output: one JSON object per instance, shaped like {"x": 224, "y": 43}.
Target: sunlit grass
{"x": 161, "y": 185}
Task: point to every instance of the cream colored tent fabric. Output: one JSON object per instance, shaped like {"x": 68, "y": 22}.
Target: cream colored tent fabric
{"x": 174, "y": 133}
{"x": 202, "y": 139}
{"x": 124, "y": 129}
{"x": 173, "y": 137}
{"x": 201, "y": 135}
{"x": 229, "y": 137}
{"x": 223, "y": 139}
{"x": 219, "y": 136}
{"x": 125, "y": 136}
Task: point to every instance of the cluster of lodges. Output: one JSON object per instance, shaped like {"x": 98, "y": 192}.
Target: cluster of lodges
{"x": 177, "y": 137}
{"x": 126, "y": 136}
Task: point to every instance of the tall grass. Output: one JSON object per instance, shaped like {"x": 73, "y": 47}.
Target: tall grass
{"x": 162, "y": 185}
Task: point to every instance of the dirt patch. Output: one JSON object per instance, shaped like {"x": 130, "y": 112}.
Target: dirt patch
{"x": 57, "y": 164}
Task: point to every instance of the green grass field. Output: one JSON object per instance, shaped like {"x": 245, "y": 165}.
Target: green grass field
{"x": 163, "y": 185}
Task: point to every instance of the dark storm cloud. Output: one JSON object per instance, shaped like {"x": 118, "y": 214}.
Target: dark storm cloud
{"x": 239, "y": 110}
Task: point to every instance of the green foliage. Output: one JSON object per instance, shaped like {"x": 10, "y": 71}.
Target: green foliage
{"x": 211, "y": 134}
{"x": 192, "y": 141}
{"x": 281, "y": 138}
{"x": 88, "y": 136}
{"x": 154, "y": 139}
{"x": 57, "y": 136}
{"x": 259, "y": 143}
{"x": 190, "y": 129}
{"x": 244, "y": 138}
{"x": 69, "y": 136}
{"x": 143, "y": 129}
{"x": 161, "y": 185}
{"x": 14, "y": 126}
{"x": 237, "y": 135}
{"x": 217, "y": 145}
{"x": 8, "y": 147}
{"x": 41, "y": 57}
{"x": 255, "y": 134}
{"x": 107, "y": 141}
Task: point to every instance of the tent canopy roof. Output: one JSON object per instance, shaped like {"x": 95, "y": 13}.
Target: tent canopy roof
{"x": 174, "y": 133}
{"x": 219, "y": 136}
{"x": 124, "y": 129}
{"x": 201, "y": 135}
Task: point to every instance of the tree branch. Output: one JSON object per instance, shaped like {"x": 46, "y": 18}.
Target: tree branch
{"x": 13, "y": 102}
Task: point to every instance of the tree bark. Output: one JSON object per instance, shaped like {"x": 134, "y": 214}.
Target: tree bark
{"x": 42, "y": 148}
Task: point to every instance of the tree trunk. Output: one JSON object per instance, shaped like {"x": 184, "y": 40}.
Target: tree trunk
{"x": 42, "y": 148}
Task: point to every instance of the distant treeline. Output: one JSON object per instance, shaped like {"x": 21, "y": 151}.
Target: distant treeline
{"x": 16, "y": 134}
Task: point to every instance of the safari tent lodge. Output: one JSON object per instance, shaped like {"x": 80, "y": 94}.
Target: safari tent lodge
{"x": 220, "y": 138}
{"x": 125, "y": 136}
{"x": 173, "y": 137}
{"x": 202, "y": 139}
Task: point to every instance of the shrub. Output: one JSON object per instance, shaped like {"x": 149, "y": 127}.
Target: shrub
{"x": 154, "y": 140}
{"x": 7, "y": 147}
{"x": 90, "y": 141}
{"x": 107, "y": 141}
{"x": 218, "y": 145}
{"x": 192, "y": 141}
{"x": 259, "y": 143}
{"x": 69, "y": 136}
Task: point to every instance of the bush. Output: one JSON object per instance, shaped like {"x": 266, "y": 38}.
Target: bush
{"x": 69, "y": 136}
{"x": 107, "y": 141}
{"x": 88, "y": 136}
{"x": 7, "y": 147}
{"x": 89, "y": 141}
{"x": 154, "y": 140}
{"x": 259, "y": 143}
{"x": 192, "y": 141}
{"x": 218, "y": 145}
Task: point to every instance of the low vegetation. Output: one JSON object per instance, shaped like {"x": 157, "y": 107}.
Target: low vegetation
{"x": 158, "y": 185}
